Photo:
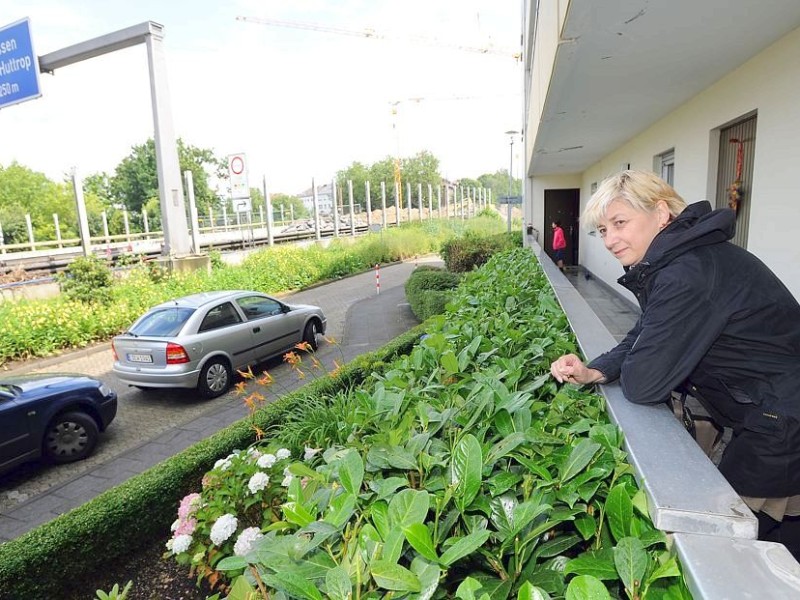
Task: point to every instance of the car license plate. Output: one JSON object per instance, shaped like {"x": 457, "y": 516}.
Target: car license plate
{"x": 140, "y": 358}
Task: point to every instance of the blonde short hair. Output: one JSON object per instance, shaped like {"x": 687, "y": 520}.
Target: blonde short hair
{"x": 642, "y": 190}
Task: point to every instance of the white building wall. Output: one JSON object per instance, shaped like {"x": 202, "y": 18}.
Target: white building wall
{"x": 769, "y": 83}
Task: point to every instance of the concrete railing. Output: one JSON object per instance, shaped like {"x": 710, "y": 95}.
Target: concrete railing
{"x": 713, "y": 530}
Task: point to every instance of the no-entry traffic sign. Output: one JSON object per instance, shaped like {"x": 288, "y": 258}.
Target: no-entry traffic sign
{"x": 237, "y": 171}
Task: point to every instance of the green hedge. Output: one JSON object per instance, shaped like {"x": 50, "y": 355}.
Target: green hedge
{"x": 427, "y": 290}
{"x": 471, "y": 251}
{"x": 128, "y": 517}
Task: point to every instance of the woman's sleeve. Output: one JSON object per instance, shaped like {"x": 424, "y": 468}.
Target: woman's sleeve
{"x": 676, "y": 330}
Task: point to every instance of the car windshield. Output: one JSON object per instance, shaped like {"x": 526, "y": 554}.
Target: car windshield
{"x": 162, "y": 322}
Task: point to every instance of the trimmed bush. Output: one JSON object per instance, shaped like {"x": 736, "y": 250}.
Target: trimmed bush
{"x": 427, "y": 290}
{"x": 471, "y": 251}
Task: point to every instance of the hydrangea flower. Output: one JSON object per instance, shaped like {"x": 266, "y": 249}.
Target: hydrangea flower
{"x": 223, "y": 464}
{"x": 223, "y": 528}
{"x": 181, "y": 543}
{"x": 244, "y": 543}
{"x": 266, "y": 461}
{"x": 310, "y": 453}
{"x": 287, "y": 478}
{"x": 189, "y": 504}
{"x": 258, "y": 482}
{"x": 186, "y": 527}
{"x": 253, "y": 453}
{"x": 283, "y": 453}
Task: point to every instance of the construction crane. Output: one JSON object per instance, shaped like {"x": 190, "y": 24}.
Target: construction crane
{"x": 372, "y": 34}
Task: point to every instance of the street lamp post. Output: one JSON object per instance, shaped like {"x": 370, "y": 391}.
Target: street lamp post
{"x": 511, "y": 135}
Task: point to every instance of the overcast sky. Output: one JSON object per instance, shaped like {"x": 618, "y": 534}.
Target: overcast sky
{"x": 298, "y": 103}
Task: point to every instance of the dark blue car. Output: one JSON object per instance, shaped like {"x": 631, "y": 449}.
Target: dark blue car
{"x": 55, "y": 415}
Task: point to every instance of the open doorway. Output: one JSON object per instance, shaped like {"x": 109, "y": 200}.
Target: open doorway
{"x": 562, "y": 206}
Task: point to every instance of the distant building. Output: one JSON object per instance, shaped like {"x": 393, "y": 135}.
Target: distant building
{"x": 324, "y": 199}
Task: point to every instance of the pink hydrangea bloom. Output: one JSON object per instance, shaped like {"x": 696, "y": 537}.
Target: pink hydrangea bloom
{"x": 188, "y": 506}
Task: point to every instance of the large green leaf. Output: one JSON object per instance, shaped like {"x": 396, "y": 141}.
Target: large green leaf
{"x": 419, "y": 536}
{"x": 338, "y": 585}
{"x": 504, "y": 447}
{"x": 449, "y": 362}
{"x": 599, "y": 564}
{"x": 231, "y": 563}
{"x": 619, "y": 510}
{"x": 242, "y": 590}
{"x": 386, "y": 487}
{"x": 669, "y": 568}
{"x": 379, "y": 514}
{"x": 351, "y": 471}
{"x": 528, "y": 591}
{"x": 293, "y": 585}
{"x": 630, "y": 558}
{"x": 385, "y": 456}
{"x": 580, "y": 456}
{"x": 586, "y": 587}
{"x": 341, "y": 509}
{"x": 466, "y": 465}
{"x": 428, "y": 575}
{"x": 393, "y": 546}
{"x": 464, "y": 546}
{"x": 391, "y": 576}
{"x": 408, "y": 507}
{"x": 296, "y": 513}
{"x": 557, "y": 545}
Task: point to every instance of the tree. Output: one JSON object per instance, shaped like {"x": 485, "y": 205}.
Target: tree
{"x": 135, "y": 180}
{"x": 498, "y": 183}
{"x": 27, "y": 192}
{"x": 289, "y": 204}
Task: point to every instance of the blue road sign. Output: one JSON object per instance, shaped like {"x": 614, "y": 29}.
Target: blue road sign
{"x": 19, "y": 65}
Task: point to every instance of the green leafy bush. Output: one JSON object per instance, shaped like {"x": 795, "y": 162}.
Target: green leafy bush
{"x": 87, "y": 279}
{"x": 427, "y": 290}
{"x": 468, "y": 472}
{"x": 470, "y": 251}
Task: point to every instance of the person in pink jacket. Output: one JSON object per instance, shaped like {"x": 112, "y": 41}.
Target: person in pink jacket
{"x": 559, "y": 244}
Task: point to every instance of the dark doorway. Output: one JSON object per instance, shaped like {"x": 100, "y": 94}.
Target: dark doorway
{"x": 562, "y": 206}
{"x": 737, "y": 152}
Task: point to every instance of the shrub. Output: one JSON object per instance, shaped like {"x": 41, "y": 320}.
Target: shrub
{"x": 470, "y": 251}
{"x": 87, "y": 279}
{"x": 427, "y": 290}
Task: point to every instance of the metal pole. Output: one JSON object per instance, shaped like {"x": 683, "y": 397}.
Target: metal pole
{"x": 419, "y": 199}
{"x": 188, "y": 179}
{"x": 383, "y": 204}
{"x": 396, "y": 204}
{"x": 335, "y": 210}
{"x": 352, "y": 208}
{"x": 58, "y": 230}
{"x": 144, "y": 221}
{"x": 510, "y": 183}
{"x": 369, "y": 204}
{"x": 439, "y": 200}
{"x": 105, "y": 228}
{"x": 430, "y": 202}
{"x": 315, "y": 198}
{"x": 268, "y": 206}
{"x": 83, "y": 221}
{"x": 408, "y": 197}
{"x": 31, "y": 239}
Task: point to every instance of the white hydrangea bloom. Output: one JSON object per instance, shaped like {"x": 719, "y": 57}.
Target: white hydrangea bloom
{"x": 287, "y": 478}
{"x": 311, "y": 453}
{"x": 266, "y": 461}
{"x": 181, "y": 543}
{"x": 283, "y": 453}
{"x": 244, "y": 543}
{"x": 253, "y": 453}
{"x": 223, "y": 528}
{"x": 258, "y": 482}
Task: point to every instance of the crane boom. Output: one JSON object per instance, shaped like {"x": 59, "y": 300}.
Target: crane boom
{"x": 371, "y": 33}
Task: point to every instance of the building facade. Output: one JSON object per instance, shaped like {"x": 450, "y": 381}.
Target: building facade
{"x": 705, "y": 93}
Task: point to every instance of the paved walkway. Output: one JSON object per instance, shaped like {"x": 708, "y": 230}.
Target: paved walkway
{"x": 151, "y": 427}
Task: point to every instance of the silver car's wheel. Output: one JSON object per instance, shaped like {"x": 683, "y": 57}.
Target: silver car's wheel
{"x": 215, "y": 378}
{"x": 71, "y": 436}
{"x": 310, "y": 334}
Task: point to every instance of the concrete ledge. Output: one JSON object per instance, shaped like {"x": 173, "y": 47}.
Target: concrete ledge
{"x": 686, "y": 493}
{"x": 717, "y": 568}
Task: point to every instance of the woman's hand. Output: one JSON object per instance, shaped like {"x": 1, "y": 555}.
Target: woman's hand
{"x": 570, "y": 369}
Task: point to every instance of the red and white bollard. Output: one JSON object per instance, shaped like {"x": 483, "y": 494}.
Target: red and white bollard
{"x": 377, "y": 279}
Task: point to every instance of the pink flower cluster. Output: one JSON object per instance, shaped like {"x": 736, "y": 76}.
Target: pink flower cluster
{"x": 185, "y": 524}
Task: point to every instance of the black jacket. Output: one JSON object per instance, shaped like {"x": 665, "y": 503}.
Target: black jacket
{"x": 714, "y": 316}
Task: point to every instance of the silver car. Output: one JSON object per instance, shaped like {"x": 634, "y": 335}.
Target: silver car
{"x": 199, "y": 340}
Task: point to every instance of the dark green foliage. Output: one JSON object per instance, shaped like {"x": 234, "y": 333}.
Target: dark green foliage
{"x": 87, "y": 279}
{"x": 427, "y": 290}
{"x": 133, "y": 514}
{"x": 466, "y": 253}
